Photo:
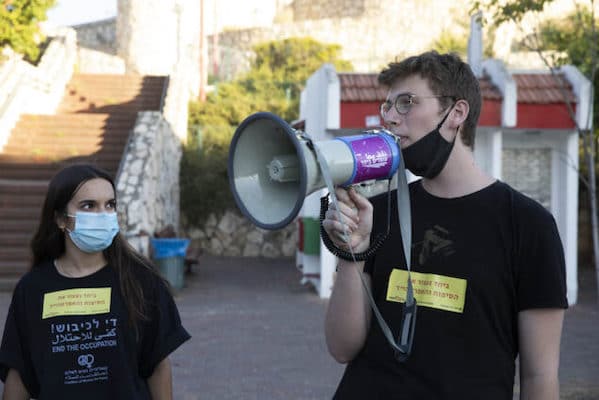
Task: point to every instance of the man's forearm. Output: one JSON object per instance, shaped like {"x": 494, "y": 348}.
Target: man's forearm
{"x": 348, "y": 314}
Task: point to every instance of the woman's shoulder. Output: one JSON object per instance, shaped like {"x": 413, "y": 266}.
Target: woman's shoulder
{"x": 147, "y": 275}
{"x": 39, "y": 271}
{"x": 35, "y": 277}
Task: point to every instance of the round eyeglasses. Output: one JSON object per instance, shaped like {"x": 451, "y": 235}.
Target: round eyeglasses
{"x": 404, "y": 102}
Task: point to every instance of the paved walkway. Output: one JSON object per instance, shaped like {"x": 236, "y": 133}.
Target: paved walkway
{"x": 258, "y": 334}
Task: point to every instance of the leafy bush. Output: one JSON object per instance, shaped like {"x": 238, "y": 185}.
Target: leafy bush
{"x": 273, "y": 83}
{"x": 19, "y": 25}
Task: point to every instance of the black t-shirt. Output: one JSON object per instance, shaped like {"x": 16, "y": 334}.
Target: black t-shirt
{"x": 477, "y": 261}
{"x": 70, "y": 338}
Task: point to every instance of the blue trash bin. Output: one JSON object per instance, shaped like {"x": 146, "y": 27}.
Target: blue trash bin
{"x": 169, "y": 254}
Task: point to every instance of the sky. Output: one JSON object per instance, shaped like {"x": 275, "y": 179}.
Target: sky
{"x": 220, "y": 14}
{"x": 74, "y": 12}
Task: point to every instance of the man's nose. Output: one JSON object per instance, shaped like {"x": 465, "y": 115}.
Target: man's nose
{"x": 392, "y": 118}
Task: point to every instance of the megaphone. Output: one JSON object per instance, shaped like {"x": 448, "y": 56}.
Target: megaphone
{"x": 273, "y": 167}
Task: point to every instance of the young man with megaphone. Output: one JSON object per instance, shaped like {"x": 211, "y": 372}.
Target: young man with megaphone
{"x": 487, "y": 274}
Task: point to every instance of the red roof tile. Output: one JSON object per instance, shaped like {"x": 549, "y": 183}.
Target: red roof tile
{"x": 356, "y": 87}
{"x": 540, "y": 88}
{"x": 488, "y": 90}
{"x": 543, "y": 88}
{"x": 363, "y": 87}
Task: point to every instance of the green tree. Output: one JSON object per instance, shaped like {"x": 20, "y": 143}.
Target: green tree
{"x": 455, "y": 40}
{"x": 574, "y": 40}
{"x": 19, "y": 27}
{"x": 273, "y": 83}
{"x": 451, "y": 43}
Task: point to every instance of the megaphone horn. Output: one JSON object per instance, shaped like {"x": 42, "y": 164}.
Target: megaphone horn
{"x": 272, "y": 167}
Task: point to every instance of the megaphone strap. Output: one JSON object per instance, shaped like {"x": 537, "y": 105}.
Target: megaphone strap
{"x": 403, "y": 346}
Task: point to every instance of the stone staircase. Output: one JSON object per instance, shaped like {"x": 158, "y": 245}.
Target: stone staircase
{"x": 92, "y": 124}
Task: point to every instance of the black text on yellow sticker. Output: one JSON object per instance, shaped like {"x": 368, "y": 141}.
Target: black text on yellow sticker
{"x": 80, "y": 301}
{"x": 430, "y": 290}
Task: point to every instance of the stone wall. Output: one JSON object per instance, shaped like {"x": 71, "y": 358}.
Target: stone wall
{"x": 369, "y": 37}
{"x": 148, "y": 180}
{"x": 371, "y": 32}
{"x": 96, "y": 53}
{"x": 36, "y": 89}
{"x": 234, "y": 235}
{"x": 90, "y": 61}
{"x": 177, "y": 102}
{"x": 155, "y": 37}
{"x": 529, "y": 171}
{"x": 311, "y": 10}
{"x": 98, "y": 35}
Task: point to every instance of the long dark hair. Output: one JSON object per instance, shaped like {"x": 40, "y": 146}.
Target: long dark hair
{"x": 48, "y": 243}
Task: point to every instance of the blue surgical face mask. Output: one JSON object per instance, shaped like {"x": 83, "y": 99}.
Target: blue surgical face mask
{"x": 93, "y": 231}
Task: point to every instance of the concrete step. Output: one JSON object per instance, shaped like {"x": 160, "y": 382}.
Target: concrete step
{"x": 78, "y": 80}
{"x": 73, "y": 128}
{"x": 98, "y": 107}
{"x": 15, "y": 200}
{"x": 15, "y": 239}
{"x": 13, "y": 270}
{"x": 72, "y": 134}
{"x": 80, "y": 77}
{"x": 62, "y": 159}
{"x": 113, "y": 94}
{"x": 63, "y": 145}
{"x": 22, "y": 226}
{"x": 64, "y": 149}
{"x": 20, "y": 212}
{"x": 34, "y": 136}
{"x": 9, "y": 281}
{"x": 83, "y": 119}
{"x": 23, "y": 168}
{"x": 23, "y": 187}
{"x": 26, "y": 196}
{"x": 15, "y": 253}
{"x": 23, "y": 206}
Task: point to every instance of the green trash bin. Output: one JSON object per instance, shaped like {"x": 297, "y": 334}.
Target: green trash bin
{"x": 169, "y": 254}
{"x": 311, "y": 236}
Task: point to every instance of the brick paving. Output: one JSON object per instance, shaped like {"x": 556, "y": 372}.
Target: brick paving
{"x": 258, "y": 334}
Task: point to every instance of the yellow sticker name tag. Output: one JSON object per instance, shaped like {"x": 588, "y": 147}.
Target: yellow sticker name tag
{"x": 430, "y": 290}
{"x": 81, "y": 301}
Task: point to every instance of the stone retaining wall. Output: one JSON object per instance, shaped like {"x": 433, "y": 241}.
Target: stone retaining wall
{"x": 234, "y": 235}
{"x": 148, "y": 181}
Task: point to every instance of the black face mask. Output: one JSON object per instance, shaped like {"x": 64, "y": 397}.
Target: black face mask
{"x": 428, "y": 156}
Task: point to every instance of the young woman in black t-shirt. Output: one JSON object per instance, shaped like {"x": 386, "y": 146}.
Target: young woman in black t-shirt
{"x": 92, "y": 318}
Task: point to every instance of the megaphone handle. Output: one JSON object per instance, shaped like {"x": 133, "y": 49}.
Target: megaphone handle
{"x": 346, "y": 255}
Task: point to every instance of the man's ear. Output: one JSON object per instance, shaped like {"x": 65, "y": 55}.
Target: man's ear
{"x": 459, "y": 113}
